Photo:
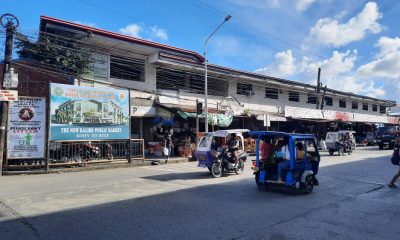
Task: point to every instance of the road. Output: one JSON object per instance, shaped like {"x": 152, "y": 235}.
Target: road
{"x": 181, "y": 201}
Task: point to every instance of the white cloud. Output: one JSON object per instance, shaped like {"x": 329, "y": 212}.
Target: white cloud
{"x": 388, "y": 45}
{"x": 159, "y": 32}
{"x": 387, "y": 66}
{"x": 132, "y": 30}
{"x": 90, "y": 24}
{"x": 337, "y": 72}
{"x": 387, "y": 62}
{"x": 142, "y": 31}
{"x": 274, "y": 3}
{"x": 303, "y": 4}
{"x": 330, "y": 32}
{"x": 284, "y": 65}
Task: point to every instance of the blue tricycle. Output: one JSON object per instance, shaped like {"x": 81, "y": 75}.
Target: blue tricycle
{"x": 287, "y": 160}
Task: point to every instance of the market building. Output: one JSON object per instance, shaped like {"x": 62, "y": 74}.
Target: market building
{"x": 165, "y": 83}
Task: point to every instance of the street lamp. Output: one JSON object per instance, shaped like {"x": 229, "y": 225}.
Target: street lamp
{"x": 205, "y": 71}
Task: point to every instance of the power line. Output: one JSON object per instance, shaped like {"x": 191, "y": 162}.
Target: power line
{"x": 88, "y": 44}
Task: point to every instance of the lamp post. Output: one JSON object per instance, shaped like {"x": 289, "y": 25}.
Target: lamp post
{"x": 205, "y": 71}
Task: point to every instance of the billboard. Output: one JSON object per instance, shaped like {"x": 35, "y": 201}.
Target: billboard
{"x": 26, "y": 128}
{"x": 88, "y": 113}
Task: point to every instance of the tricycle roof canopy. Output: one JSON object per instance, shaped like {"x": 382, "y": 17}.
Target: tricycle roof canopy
{"x": 279, "y": 134}
{"x": 224, "y": 133}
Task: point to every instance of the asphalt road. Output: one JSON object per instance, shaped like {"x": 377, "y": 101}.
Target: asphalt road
{"x": 181, "y": 201}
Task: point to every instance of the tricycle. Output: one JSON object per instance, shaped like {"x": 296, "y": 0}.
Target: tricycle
{"x": 335, "y": 142}
{"x": 222, "y": 152}
{"x": 286, "y": 160}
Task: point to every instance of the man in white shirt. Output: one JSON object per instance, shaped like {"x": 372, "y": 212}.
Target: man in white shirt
{"x": 286, "y": 163}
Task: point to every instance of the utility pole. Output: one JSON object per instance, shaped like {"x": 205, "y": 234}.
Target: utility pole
{"x": 10, "y": 23}
{"x": 205, "y": 72}
{"x": 318, "y": 88}
{"x": 197, "y": 121}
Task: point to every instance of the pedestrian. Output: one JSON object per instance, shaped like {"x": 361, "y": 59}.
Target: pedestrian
{"x": 396, "y": 154}
{"x": 168, "y": 145}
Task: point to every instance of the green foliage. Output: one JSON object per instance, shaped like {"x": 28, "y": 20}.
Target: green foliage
{"x": 54, "y": 52}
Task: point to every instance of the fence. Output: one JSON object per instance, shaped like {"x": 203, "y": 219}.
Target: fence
{"x": 82, "y": 153}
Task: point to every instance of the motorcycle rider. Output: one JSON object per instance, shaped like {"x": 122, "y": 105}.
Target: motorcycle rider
{"x": 233, "y": 147}
{"x": 345, "y": 141}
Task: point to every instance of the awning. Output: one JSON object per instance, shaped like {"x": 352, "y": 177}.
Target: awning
{"x": 220, "y": 120}
{"x": 272, "y": 117}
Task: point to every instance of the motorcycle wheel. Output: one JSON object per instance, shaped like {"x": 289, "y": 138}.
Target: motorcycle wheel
{"x": 308, "y": 184}
{"x": 349, "y": 151}
{"x": 341, "y": 153}
{"x": 240, "y": 168}
{"x": 216, "y": 169}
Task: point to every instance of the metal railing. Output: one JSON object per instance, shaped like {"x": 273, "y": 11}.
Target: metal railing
{"x": 82, "y": 153}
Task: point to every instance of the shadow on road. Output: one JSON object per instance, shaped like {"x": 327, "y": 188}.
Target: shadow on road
{"x": 337, "y": 209}
{"x": 180, "y": 176}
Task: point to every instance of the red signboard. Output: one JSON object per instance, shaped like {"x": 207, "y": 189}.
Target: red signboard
{"x": 8, "y": 95}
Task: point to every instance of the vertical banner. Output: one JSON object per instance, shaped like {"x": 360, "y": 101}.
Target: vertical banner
{"x": 88, "y": 113}
{"x": 26, "y": 128}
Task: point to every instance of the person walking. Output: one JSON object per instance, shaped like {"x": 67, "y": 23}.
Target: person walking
{"x": 396, "y": 154}
{"x": 168, "y": 145}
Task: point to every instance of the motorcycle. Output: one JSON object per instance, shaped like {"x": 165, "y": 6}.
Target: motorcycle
{"x": 90, "y": 151}
{"x": 346, "y": 147}
{"x": 108, "y": 151}
{"x": 224, "y": 162}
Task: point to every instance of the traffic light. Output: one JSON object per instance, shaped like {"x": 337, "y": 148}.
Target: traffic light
{"x": 199, "y": 108}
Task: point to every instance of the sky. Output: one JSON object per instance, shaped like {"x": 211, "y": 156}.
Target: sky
{"x": 356, "y": 43}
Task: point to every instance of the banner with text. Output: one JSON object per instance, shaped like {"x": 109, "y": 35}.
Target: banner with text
{"x": 26, "y": 128}
{"x": 88, "y": 113}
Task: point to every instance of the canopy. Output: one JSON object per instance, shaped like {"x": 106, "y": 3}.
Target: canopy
{"x": 220, "y": 120}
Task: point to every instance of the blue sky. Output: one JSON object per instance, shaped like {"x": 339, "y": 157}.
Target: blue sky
{"x": 356, "y": 43}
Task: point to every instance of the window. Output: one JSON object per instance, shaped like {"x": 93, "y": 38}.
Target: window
{"x": 127, "y": 69}
{"x": 244, "y": 89}
{"x": 382, "y": 109}
{"x": 354, "y": 105}
{"x": 365, "y": 106}
{"x": 342, "y": 103}
{"x": 312, "y": 98}
{"x": 374, "y": 108}
{"x": 294, "y": 96}
{"x": 271, "y": 93}
{"x": 190, "y": 82}
{"x": 328, "y": 101}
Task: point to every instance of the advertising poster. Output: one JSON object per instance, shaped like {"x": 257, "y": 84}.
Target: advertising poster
{"x": 88, "y": 113}
{"x": 26, "y": 128}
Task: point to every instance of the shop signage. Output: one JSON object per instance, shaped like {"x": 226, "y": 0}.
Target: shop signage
{"x": 306, "y": 113}
{"x": 26, "y": 128}
{"x": 88, "y": 113}
{"x": 8, "y": 95}
{"x": 143, "y": 111}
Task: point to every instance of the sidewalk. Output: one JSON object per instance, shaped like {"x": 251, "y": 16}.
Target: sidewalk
{"x": 109, "y": 165}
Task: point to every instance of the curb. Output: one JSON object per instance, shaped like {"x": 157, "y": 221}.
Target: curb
{"x": 98, "y": 166}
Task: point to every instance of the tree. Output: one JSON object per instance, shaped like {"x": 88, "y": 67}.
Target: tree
{"x": 54, "y": 52}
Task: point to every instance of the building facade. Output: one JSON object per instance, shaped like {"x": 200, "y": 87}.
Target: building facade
{"x": 165, "y": 80}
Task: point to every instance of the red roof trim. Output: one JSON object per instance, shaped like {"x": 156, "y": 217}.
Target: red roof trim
{"x": 121, "y": 37}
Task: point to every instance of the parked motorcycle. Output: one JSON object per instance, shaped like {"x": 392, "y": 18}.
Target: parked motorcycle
{"x": 90, "y": 151}
{"x": 108, "y": 151}
{"x": 225, "y": 163}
